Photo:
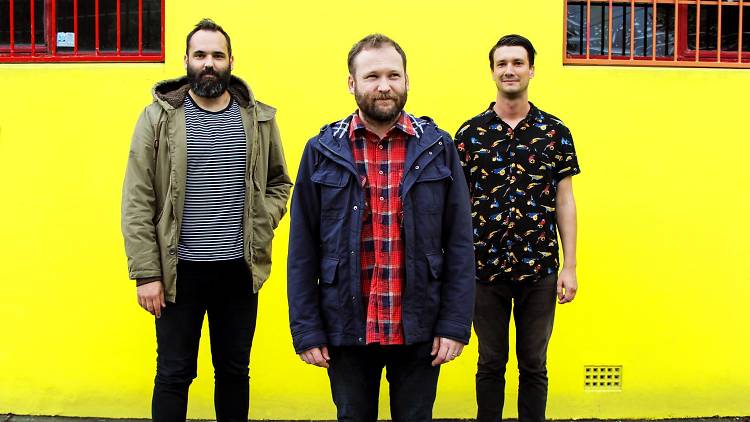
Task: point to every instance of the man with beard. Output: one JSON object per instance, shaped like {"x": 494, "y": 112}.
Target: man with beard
{"x": 381, "y": 263}
{"x": 519, "y": 162}
{"x": 205, "y": 186}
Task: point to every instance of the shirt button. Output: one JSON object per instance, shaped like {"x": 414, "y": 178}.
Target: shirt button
{"x": 351, "y": 252}
{"x": 440, "y": 143}
{"x": 380, "y": 146}
{"x": 171, "y": 251}
{"x": 380, "y": 172}
{"x": 382, "y": 199}
{"x": 360, "y": 339}
{"x": 354, "y": 208}
{"x": 430, "y": 152}
{"x": 416, "y": 167}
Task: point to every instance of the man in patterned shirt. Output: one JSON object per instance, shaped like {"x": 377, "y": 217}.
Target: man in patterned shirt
{"x": 519, "y": 162}
{"x": 381, "y": 263}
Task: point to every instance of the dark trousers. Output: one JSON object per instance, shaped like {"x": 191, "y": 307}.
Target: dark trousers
{"x": 355, "y": 373}
{"x": 533, "y": 306}
{"x": 224, "y": 290}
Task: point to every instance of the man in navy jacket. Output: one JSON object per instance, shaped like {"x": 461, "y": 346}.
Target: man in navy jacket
{"x": 381, "y": 259}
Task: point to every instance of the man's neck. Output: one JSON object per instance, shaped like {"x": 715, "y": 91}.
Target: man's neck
{"x": 512, "y": 109}
{"x": 211, "y": 104}
{"x": 378, "y": 128}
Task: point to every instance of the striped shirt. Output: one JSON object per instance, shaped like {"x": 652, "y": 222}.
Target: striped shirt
{"x": 380, "y": 164}
{"x": 215, "y": 186}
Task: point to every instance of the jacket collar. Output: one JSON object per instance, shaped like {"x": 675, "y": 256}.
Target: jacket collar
{"x": 170, "y": 94}
{"x": 336, "y": 144}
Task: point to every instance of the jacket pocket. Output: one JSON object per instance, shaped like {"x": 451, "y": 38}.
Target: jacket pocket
{"x": 333, "y": 191}
{"x": 430, "y": 189}
{"x": 435, "y": 264}
{"x": 328, "y": 267}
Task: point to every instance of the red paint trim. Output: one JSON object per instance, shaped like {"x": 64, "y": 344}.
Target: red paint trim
{"x": 33, "y": 29}
{"x": 75, "y": 27}
{"x": 140, "y": 26}
{"x": 119, "y": 29}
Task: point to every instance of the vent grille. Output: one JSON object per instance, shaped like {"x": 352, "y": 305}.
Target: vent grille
{"x": 602, "y": 378}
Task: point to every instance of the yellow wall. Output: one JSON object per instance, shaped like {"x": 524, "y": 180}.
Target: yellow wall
{"x": 664, "y": 266}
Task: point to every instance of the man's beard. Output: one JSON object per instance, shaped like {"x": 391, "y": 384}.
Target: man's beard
{"x": 368, "y": 106}
{"x": 209, "y": 87}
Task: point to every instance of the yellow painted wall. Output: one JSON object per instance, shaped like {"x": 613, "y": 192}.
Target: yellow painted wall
{"x": 664, "y": 264}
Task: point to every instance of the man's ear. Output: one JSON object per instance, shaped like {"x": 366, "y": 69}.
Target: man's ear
{"x": 531, "y": 72}
{"x": 231, "y": 63}
{"x": 185, "y": 61}
{"x": 351, "y": 84}
{"x": 407, "y": 81}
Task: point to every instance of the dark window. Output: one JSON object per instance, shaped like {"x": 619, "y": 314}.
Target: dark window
{"x": 670, "y": 40}
{"x": 81, "y": 30}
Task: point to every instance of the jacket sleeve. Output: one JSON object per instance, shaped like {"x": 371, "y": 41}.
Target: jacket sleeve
{"x": 303, "y": 264}
{"x": 457, "y": 295}
{"x": 278, "y": 183}
{"x": 139, "y": 203}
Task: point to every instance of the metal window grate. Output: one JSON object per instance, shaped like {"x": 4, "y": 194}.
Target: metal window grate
{"x": 81, "y": 31}
{"x": 602, "y": 378}
{"x": 678, "y": 33}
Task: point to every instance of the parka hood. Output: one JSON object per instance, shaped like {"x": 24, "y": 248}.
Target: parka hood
{"x": 171, "y": 93}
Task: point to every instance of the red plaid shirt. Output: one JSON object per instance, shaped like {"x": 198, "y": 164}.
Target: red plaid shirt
{"x": 380, "y": 164}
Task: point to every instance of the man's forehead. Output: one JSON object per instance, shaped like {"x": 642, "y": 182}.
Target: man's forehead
{"x": 208, "y": 41}
{"x": 379, "y": 57}
{"x": 511, "y": 52}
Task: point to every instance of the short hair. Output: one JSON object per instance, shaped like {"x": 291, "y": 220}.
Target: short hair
{"x": 373, "y": 41}
{"x": 513, "y": 40}
{"x": 207, "y": 25}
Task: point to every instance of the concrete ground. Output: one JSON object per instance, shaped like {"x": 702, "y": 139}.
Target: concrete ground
{"x": 27, "y": 418}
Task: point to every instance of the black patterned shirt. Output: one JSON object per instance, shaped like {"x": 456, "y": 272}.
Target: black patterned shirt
{"x": 512, "y": 175}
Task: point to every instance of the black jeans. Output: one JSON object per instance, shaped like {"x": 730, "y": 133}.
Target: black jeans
{"x": 355, "y": 381}
{"x": 533, "y": 306}
{"x": 224, "y": 289}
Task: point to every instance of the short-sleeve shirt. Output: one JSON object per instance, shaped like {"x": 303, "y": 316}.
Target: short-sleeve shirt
{"x": 513, "y": 175}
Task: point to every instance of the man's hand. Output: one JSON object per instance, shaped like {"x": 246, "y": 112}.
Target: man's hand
{"x": 317, "y": 356}
{"x": 151, "y": 297}
{"x": 445, "y": 350}
{"x": 567, "y": 285}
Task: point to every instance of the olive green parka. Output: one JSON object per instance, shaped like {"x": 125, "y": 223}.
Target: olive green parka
{"x": 154, "y": 190}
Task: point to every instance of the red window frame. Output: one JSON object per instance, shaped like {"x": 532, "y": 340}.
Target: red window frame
{"x": 47, "y": 51}
{"x": 682, "y": 55}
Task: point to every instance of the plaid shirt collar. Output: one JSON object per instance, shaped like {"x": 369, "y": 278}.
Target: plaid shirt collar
{"x": 404, "y": 124}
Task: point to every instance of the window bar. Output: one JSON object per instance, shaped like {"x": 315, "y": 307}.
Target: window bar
{"x": 653, "y": 31}
{"x": 632, "y": 29}
{"x": 161, "y": 55}
{"x": 718, "y": 32}
{"x": 588, "y": 28}
{"x": 697, "y": 29}
{"x": 118, "y": 26}
{"x": 96, "y": 24}
{"x": 739, "y": 44}
{"x": 609, "y": 32}
{"x": 140, "y": 27}
{"x": 33, "y": 38}
{"x": 53, "y": 29}
{"x": 13, "y": 30}
{"x": 75, "y": 27}
{"x": 676, "y": 24}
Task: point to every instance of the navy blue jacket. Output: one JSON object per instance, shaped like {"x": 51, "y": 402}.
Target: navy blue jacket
{"x": 324, "y": 292}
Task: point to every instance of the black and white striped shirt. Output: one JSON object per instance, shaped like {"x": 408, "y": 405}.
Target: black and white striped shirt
{"x": 212, "y": 219}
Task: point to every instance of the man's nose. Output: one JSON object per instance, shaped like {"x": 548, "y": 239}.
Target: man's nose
{"x": 383, "y": 85}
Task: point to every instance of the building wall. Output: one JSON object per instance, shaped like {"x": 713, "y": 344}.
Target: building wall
{"x": 664, "y": 266}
